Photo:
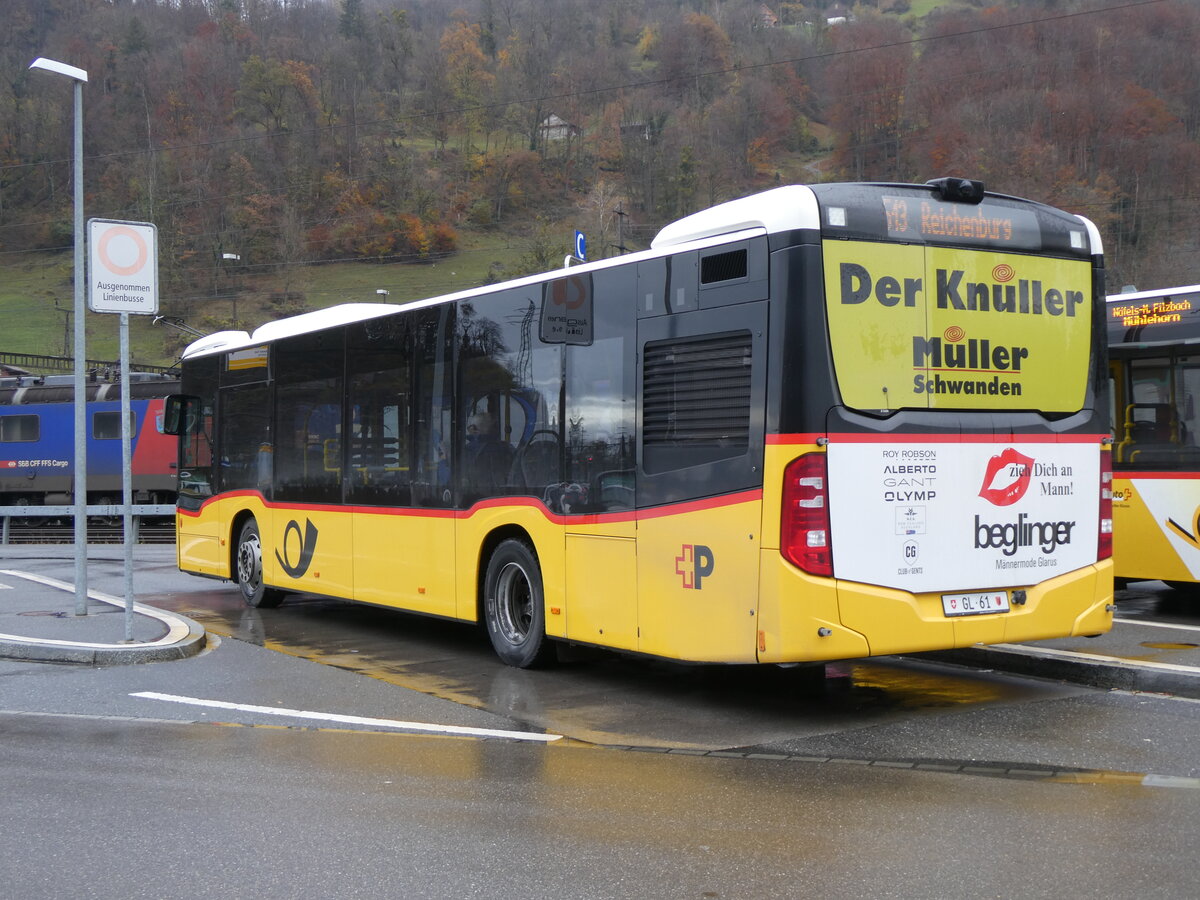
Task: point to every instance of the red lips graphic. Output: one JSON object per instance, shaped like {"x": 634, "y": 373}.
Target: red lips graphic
{"x": 1017, "y": 468}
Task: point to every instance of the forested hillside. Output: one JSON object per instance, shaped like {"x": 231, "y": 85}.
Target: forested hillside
{"x": 297, "y": 132}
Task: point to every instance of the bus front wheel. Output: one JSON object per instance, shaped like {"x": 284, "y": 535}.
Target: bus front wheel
{"x": 250, "y": 570}
{"x": 514, "y": 607}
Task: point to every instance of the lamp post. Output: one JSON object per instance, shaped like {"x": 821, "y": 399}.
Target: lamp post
{"x": 78, "y": 76}
{"x": 233, "y": 257}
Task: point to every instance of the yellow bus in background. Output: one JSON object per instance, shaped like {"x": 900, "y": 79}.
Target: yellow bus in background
{"x": 816, "y": 423}
{"x": 1154, "y": 351}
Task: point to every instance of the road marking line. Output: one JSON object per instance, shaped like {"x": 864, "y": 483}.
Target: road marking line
{"x": 1158, "y": 624}
{"x": 351, "y": 720}
{"x": 177, "y": 630}
{"x": 1171, "y": 697}
{"x": 1051, "y": 653}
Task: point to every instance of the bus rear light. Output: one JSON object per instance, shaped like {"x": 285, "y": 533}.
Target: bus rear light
{"x": 1104, "y": 547}
{"x": 804, "y": 526}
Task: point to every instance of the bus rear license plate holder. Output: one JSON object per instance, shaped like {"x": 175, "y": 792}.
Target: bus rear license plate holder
{"x": 982, "y": 603}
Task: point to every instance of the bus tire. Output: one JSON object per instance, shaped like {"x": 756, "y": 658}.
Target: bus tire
{"x": 250, "y": 570}
{"x": 514, "y": 606}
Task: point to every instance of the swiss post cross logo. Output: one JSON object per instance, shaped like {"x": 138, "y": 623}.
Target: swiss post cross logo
{"x": 693, "y": 565}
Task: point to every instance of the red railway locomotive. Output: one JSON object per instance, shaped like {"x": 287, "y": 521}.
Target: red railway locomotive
{"x": 37, "y": 457}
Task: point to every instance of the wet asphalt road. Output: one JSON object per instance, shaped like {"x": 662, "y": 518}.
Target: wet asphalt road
{"x": 893, "y": 780}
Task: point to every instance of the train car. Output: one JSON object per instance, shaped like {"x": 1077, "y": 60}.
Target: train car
{"x": 37, "y": 452}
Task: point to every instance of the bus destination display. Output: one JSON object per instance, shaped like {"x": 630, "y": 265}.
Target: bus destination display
{"x": 1162, "y": 318}
{"x": 927, "y": 219}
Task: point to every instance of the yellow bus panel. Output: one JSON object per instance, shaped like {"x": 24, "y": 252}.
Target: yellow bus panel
{"x": 697, "y": 576}
{"x": 405, "y": 560}
{"x": 1155, "y": 530}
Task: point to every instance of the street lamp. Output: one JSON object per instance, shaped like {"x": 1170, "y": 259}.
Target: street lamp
{"x": 79, "y": 76}
{"x": 233, "y": 257}
{"x": 382, "y": 293}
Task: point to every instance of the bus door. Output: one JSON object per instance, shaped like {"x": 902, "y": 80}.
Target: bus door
{"x": 401, "y": 481}
{"x": 198, "y": 537}
{"x": 701, "y": 387}
{"x": 597, "y": 493}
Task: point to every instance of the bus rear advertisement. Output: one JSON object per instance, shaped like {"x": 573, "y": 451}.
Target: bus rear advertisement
{"x": 817, "y": 423}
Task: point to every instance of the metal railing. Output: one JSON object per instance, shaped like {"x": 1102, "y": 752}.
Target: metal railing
{"x": 43, "y": 364}
{"x": 107, "y": 511}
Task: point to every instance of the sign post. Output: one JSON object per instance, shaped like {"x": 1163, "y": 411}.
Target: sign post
{"x": 123, "y": 279}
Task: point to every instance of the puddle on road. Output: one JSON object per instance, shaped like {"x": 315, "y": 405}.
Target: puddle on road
{"x": 1168, "y": 645}
{"x": 910, "y": 688}
{"x": 597, "y": 696}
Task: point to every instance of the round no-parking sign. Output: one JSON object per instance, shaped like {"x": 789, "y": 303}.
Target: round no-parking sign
{"x": 122, "y": 267}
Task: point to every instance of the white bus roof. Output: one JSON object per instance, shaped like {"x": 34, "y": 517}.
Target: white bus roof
{"x": 779, "y": 209}
{"x": 1145, "y": 295}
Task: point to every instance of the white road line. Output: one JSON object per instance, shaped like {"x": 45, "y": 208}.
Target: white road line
{"x": 1173, "y": 697}
{"x": 1171, "y": 781}
{"x": 177, "y": 629}
{"x": 1158, "y": 624}
{"x": 1073, "y": 656}
{"x": 351, "y": 720}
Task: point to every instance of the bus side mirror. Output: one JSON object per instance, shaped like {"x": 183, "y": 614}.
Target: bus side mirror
{"x": 178, "y": 410}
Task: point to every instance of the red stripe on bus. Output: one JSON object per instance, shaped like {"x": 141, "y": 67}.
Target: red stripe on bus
{"x": 673, "y": 509}
{"x": 852, "y": 437}
{"x": 1165, "y": 476}
{"x": 655, "y": 512}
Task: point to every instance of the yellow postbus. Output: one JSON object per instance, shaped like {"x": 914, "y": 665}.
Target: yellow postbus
{"x": 1154, "y": 353}
{"x": 816, "y": 423}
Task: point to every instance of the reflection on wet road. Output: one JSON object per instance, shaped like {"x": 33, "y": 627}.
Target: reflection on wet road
{"x": 601, "y": 697}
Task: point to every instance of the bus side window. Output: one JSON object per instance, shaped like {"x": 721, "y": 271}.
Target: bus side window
{"x": 308, "y": 415}
{"x": 432, "y": 414}
{"x": 246, "y": 429}
{"x": 510, "y": 384}
{"x": 487, "y": 456}
{"x": 379, "y": 402}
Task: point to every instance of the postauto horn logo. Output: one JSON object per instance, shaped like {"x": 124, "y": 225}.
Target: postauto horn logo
{"x": 1007, "y": 478}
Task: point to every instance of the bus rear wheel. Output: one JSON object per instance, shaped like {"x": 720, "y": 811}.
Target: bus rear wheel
{"x": 514, "y": 607}
{"x": 250, "y": 570}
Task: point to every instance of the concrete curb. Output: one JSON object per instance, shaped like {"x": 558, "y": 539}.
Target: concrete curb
{"x": 184, "y": 637}
{"x": 1079, "y": 668}
{"x": 105, "y": 654}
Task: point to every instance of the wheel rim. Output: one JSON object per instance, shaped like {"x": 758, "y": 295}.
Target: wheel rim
{"x": 250, "y": 563}
{"x": 514, "y": 603}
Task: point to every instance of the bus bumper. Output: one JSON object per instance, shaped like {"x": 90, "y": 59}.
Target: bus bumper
{"x": 802, "y": 618}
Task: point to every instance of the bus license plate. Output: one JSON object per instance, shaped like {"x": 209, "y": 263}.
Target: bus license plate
{"x": 975, "y": 604}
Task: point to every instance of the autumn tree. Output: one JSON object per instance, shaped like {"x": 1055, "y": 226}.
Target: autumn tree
{"x": 467, "y": 75}
{"x": 694, "y": 57}
{"x": 867, "y": 81}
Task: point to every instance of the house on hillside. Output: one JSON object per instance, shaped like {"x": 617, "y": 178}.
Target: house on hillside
{"x": 837, "y": 15}
{"x": 766, "y": 18}
{"x": 636, "y": 131}
{"x": 554, "y": 128}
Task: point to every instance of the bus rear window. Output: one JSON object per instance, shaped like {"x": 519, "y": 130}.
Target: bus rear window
{"x": 915, "y": 326}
